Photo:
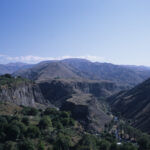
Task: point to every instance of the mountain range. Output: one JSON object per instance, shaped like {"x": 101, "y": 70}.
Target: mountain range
{"x": 12, "y": 67}
{"x": 82, "y": 87}
{"x": 80, "y": 69}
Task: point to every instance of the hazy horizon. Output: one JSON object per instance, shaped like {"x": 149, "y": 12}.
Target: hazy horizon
{"x": 115, "y": 31}
{"x": 64, "y": 58}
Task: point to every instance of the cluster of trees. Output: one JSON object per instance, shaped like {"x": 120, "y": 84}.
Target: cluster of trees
{"x": 31, "y": 129}
{"x": 50, "y": 129}
{"x": 108, "y": 142}
{"x": 89, "y": 142}
{"x": 128, "y": 134}
{"x": 9, "y": 80}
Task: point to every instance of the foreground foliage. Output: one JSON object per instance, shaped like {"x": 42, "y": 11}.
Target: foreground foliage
{"x": 50, "y": 129}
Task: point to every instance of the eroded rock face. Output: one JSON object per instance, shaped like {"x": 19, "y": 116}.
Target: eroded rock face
{"x": 81, "y": 98}
{"x": 88, "y": 111}
{"x": 58, "y": 91}
{"x": 26, "y": 94}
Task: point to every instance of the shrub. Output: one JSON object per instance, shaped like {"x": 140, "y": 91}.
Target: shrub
{"x": 57, "y": 124}
{"x": 104, "y": 145}
{"x": 26, "y": 121}
{"x": 65, "y": 114}
{"x": 52, "y": 112}
{"x": 45, "y": 122}
{"x": 88, "y": 140}
{"x": 10, "y": 146}
{"x": 144, "y": 143}
{"x": 13, "y": 132}
{"x": 63, "y": 142}
{"x": 26, "y": 145}
{"x": 3, "y": 124}
{"x": 33, "y": 132}
{"x": 29, "y": 111}
{"x": 41, "y": 146}
{"x": 2, "y": 136}
{"x": 1, "y": 146}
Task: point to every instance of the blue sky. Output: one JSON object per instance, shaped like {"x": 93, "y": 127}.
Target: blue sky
{"x": 116, "y": 31}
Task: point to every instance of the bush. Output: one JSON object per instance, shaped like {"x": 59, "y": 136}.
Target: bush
{"x": 26, "y": 145}
{"x": 13, "y": 132}
{"x": 26, "y": 121}
{"x": 30, "y": 111}
{"x": 21, "y": 127}
{"x": 57, "y": 124}
{"x": 7, "y": 76}
{"x": 128, "y": 146}
{"x": 88, "y": 141}
{"x": 65, "y": 121}
{"x": 45, "y": 122}
{"x": 10, "y": 146}
{"x": 83, "y": 147}
{"x": 63, "y": 142}
{"x": 41, "y": 146}
{"x": 2, "y": 136}
{"x": 113, "y": 146}
{"x": 33, "y": 132}
{"x": 144, "y": 143}
{"x": 1, "y": 146}
{"x": 104, "y": 145}
{"x": 65, "y": 114}
{"x": 3, "y": 124}
{"x": 52, "y": 112}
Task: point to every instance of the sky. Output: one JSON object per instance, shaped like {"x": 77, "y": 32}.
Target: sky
{"x": 115, "y": 31}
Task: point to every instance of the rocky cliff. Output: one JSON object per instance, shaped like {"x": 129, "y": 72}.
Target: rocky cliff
{"x": 20, "y": 91}
{"x": 88, "y": 111}
{"x": 83, "y": 99}
{"x": 58, "y": 90}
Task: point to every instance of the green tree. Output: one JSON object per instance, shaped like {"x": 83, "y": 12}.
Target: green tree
{"x": 144, "y": 143}
{"x": 25, "y": 120}
{"x": 57, "y": 124}
{"x": 63, "y": 142}
{"x": 45, "y": 122}
{"x": 41, "y": 146}
{"x": 83, "y": 147}
{"x": 65, "y": 114}
{"x": 104, "y": 145}
{"x": 127, "y": 146}
{"x": 88, "y": 141}
{"x": 3, "y": 124}
{"x": 13, "y": 132}
{"x": 33, "y": 132}
{"x": 113, "y": 146}
{"x": 1, "y": 146}
{"x": 10, "y": 146}
{"x": 26, "y": 145}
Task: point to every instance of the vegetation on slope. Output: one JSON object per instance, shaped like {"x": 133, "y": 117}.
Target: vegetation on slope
{"x": 28, "y": 128}
{"x": 8, "y": 80}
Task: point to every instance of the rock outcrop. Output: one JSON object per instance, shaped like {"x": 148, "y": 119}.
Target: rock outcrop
{"x": 57, "y": 91}
{"x": 83, "y": 99}
{"x": 88, "y": 111}
{"x": 20, "y": 92}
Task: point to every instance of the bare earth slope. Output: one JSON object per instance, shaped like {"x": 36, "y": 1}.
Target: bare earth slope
{"x": 126, "y": 76}
{"x": 134, "y": 104}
